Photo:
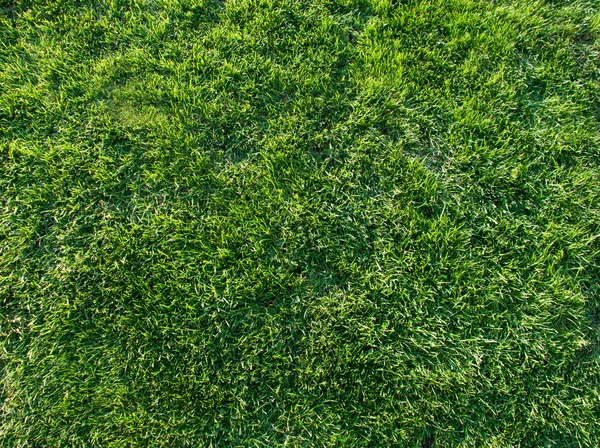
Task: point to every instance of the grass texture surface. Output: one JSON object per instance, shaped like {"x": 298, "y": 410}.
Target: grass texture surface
{"x": 299, "y": 223}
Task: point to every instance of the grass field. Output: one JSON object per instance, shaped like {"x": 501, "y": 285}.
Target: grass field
{"x": 300, "y": 223}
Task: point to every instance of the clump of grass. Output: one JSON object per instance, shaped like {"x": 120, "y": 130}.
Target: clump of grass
{"x": 251, "y": 223}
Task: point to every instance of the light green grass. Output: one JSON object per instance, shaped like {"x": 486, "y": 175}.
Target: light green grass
{"x": 301, "y": 223}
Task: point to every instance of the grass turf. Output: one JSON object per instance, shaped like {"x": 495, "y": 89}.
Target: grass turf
{"x": 312, "y": 223}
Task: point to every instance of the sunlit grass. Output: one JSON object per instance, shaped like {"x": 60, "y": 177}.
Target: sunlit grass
{"x": 324, "y": 223}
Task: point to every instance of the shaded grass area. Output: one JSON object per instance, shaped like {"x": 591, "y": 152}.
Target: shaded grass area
{"x": 324, "y": 223}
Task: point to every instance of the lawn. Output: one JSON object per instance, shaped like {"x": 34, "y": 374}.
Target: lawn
{"x": 301, "y": 223}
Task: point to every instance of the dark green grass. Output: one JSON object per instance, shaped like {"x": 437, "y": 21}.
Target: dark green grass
{"x": 318, "y": 223}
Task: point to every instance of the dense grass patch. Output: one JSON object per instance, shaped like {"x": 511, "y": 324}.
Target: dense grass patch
{"x": 312, "y": 223}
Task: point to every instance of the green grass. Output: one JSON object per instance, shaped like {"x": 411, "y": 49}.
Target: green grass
{"x": 301, "y": 223}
